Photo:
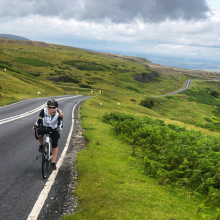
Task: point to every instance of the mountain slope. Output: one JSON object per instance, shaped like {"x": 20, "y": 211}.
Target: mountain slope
{"x": 13, "y": 37}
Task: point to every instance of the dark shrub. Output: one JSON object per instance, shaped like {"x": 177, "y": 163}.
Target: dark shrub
{"x": 214, "y": 93}
{"x": 148, "y": 103}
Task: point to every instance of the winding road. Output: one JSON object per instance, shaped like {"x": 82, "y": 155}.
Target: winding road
{"x": 187, "y": 86}
{"x": 22, "y": 188}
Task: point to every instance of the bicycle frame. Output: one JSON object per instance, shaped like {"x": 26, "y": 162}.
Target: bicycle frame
{"x": 47, "y": 154}
{"x": 48, "y": 140}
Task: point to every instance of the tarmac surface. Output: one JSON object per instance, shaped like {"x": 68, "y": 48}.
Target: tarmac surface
{"x": 21, "y": 180}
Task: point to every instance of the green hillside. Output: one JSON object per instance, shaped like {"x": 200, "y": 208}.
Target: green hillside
{"x": 56, "y": 70}
{"x": 115, "y": 165}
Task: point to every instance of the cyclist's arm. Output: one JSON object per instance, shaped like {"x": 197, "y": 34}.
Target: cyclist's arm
{"x": 40, "y": 118}
{"x": 60, "y": 122}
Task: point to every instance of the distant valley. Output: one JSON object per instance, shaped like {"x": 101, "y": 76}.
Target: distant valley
{"x": 185, "y": 63}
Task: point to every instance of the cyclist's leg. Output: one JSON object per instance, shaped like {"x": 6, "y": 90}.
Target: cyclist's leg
{"x": 41, "y": 139}
{"x": 54, "y": 154}
{"x": 54, "y": 138}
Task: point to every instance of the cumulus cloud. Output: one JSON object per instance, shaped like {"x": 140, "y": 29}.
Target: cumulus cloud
{"x": 116, "y": 11}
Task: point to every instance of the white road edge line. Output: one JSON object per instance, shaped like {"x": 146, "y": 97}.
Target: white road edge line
{"x": 26, "y": 100}
{"x": 44, "y": 193}
{"x": 13, "y": 103}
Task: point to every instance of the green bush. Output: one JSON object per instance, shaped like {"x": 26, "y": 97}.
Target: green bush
{"x": 208, "y": 120}
{"x": 216, "y": 111}
{"x": 148, "y": 103}
{"x": 171, "y": 153}
{"x": 203, "y": 96}
{"x": 172, "y": 97}
{"x": 214, "y": 93}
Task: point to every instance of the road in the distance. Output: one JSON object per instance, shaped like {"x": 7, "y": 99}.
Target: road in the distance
{"x": 20, "y": 173}
{"x": 187, "y": 86}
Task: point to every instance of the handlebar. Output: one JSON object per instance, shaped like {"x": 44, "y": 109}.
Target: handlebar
{"x": 46, "y": 130}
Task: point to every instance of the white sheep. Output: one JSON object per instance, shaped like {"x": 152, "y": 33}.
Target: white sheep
{"x": 118, "y": 103}
{"x": 5, "y": 69}
{"x": 38, "y": 93}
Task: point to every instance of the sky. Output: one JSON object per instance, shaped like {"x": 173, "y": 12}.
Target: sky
{"x": 181, "y": 28}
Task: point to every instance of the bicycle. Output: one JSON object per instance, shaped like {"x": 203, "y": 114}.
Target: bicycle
{"x": 47, "y": 151}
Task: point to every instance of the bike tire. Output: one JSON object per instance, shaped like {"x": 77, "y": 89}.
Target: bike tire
{"x": 45, "y": 161}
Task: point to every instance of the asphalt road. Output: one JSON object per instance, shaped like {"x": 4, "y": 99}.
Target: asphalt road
{"x": 20, "y": 163}
{"x": 187, "y": 86}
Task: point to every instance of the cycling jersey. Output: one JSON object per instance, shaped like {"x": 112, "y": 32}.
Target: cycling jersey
{"x": 47, "y": 120}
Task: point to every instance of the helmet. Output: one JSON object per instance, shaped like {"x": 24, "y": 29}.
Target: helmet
{"x": 52, "y": 102}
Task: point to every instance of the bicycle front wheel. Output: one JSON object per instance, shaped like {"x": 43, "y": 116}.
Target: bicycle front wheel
{"x": 45, "y": 161}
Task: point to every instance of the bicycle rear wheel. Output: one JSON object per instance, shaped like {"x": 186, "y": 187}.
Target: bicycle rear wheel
{"x": 45, "y": 161}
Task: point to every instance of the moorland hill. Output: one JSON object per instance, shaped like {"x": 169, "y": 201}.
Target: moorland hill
{"x": 13, "y": 37}
{"x": 6, "y": 41}
{"x": 166, "y": 70}
{"x": 70, "y": 69}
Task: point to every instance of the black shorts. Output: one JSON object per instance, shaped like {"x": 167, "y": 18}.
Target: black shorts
{"x": 55, "y": 136}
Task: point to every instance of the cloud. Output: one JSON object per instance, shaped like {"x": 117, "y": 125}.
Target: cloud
{"x": 145, "y": 26}
{"x": 116, "y": 11}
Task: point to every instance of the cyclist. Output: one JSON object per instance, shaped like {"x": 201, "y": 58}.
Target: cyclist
{"x": 50, "y": 116}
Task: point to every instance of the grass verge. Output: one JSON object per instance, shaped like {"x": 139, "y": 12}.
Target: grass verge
{"x": 112, "y": 183}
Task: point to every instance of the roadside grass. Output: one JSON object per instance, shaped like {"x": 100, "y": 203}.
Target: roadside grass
{"x": 182, "y": 110}
{"x": 112, "y": 183}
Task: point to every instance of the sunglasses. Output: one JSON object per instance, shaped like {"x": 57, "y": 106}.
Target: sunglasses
{"x": 51, "y": 107}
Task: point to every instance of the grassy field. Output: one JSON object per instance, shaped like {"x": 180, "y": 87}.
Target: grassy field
{"x": 112, "y": 183}
{"x": 15, "y": 87}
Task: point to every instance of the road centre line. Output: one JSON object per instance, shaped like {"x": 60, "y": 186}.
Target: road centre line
{"x": 21, "y": 115}
{"x": 44, "y": 193}
{"x": 5, "y": 120}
